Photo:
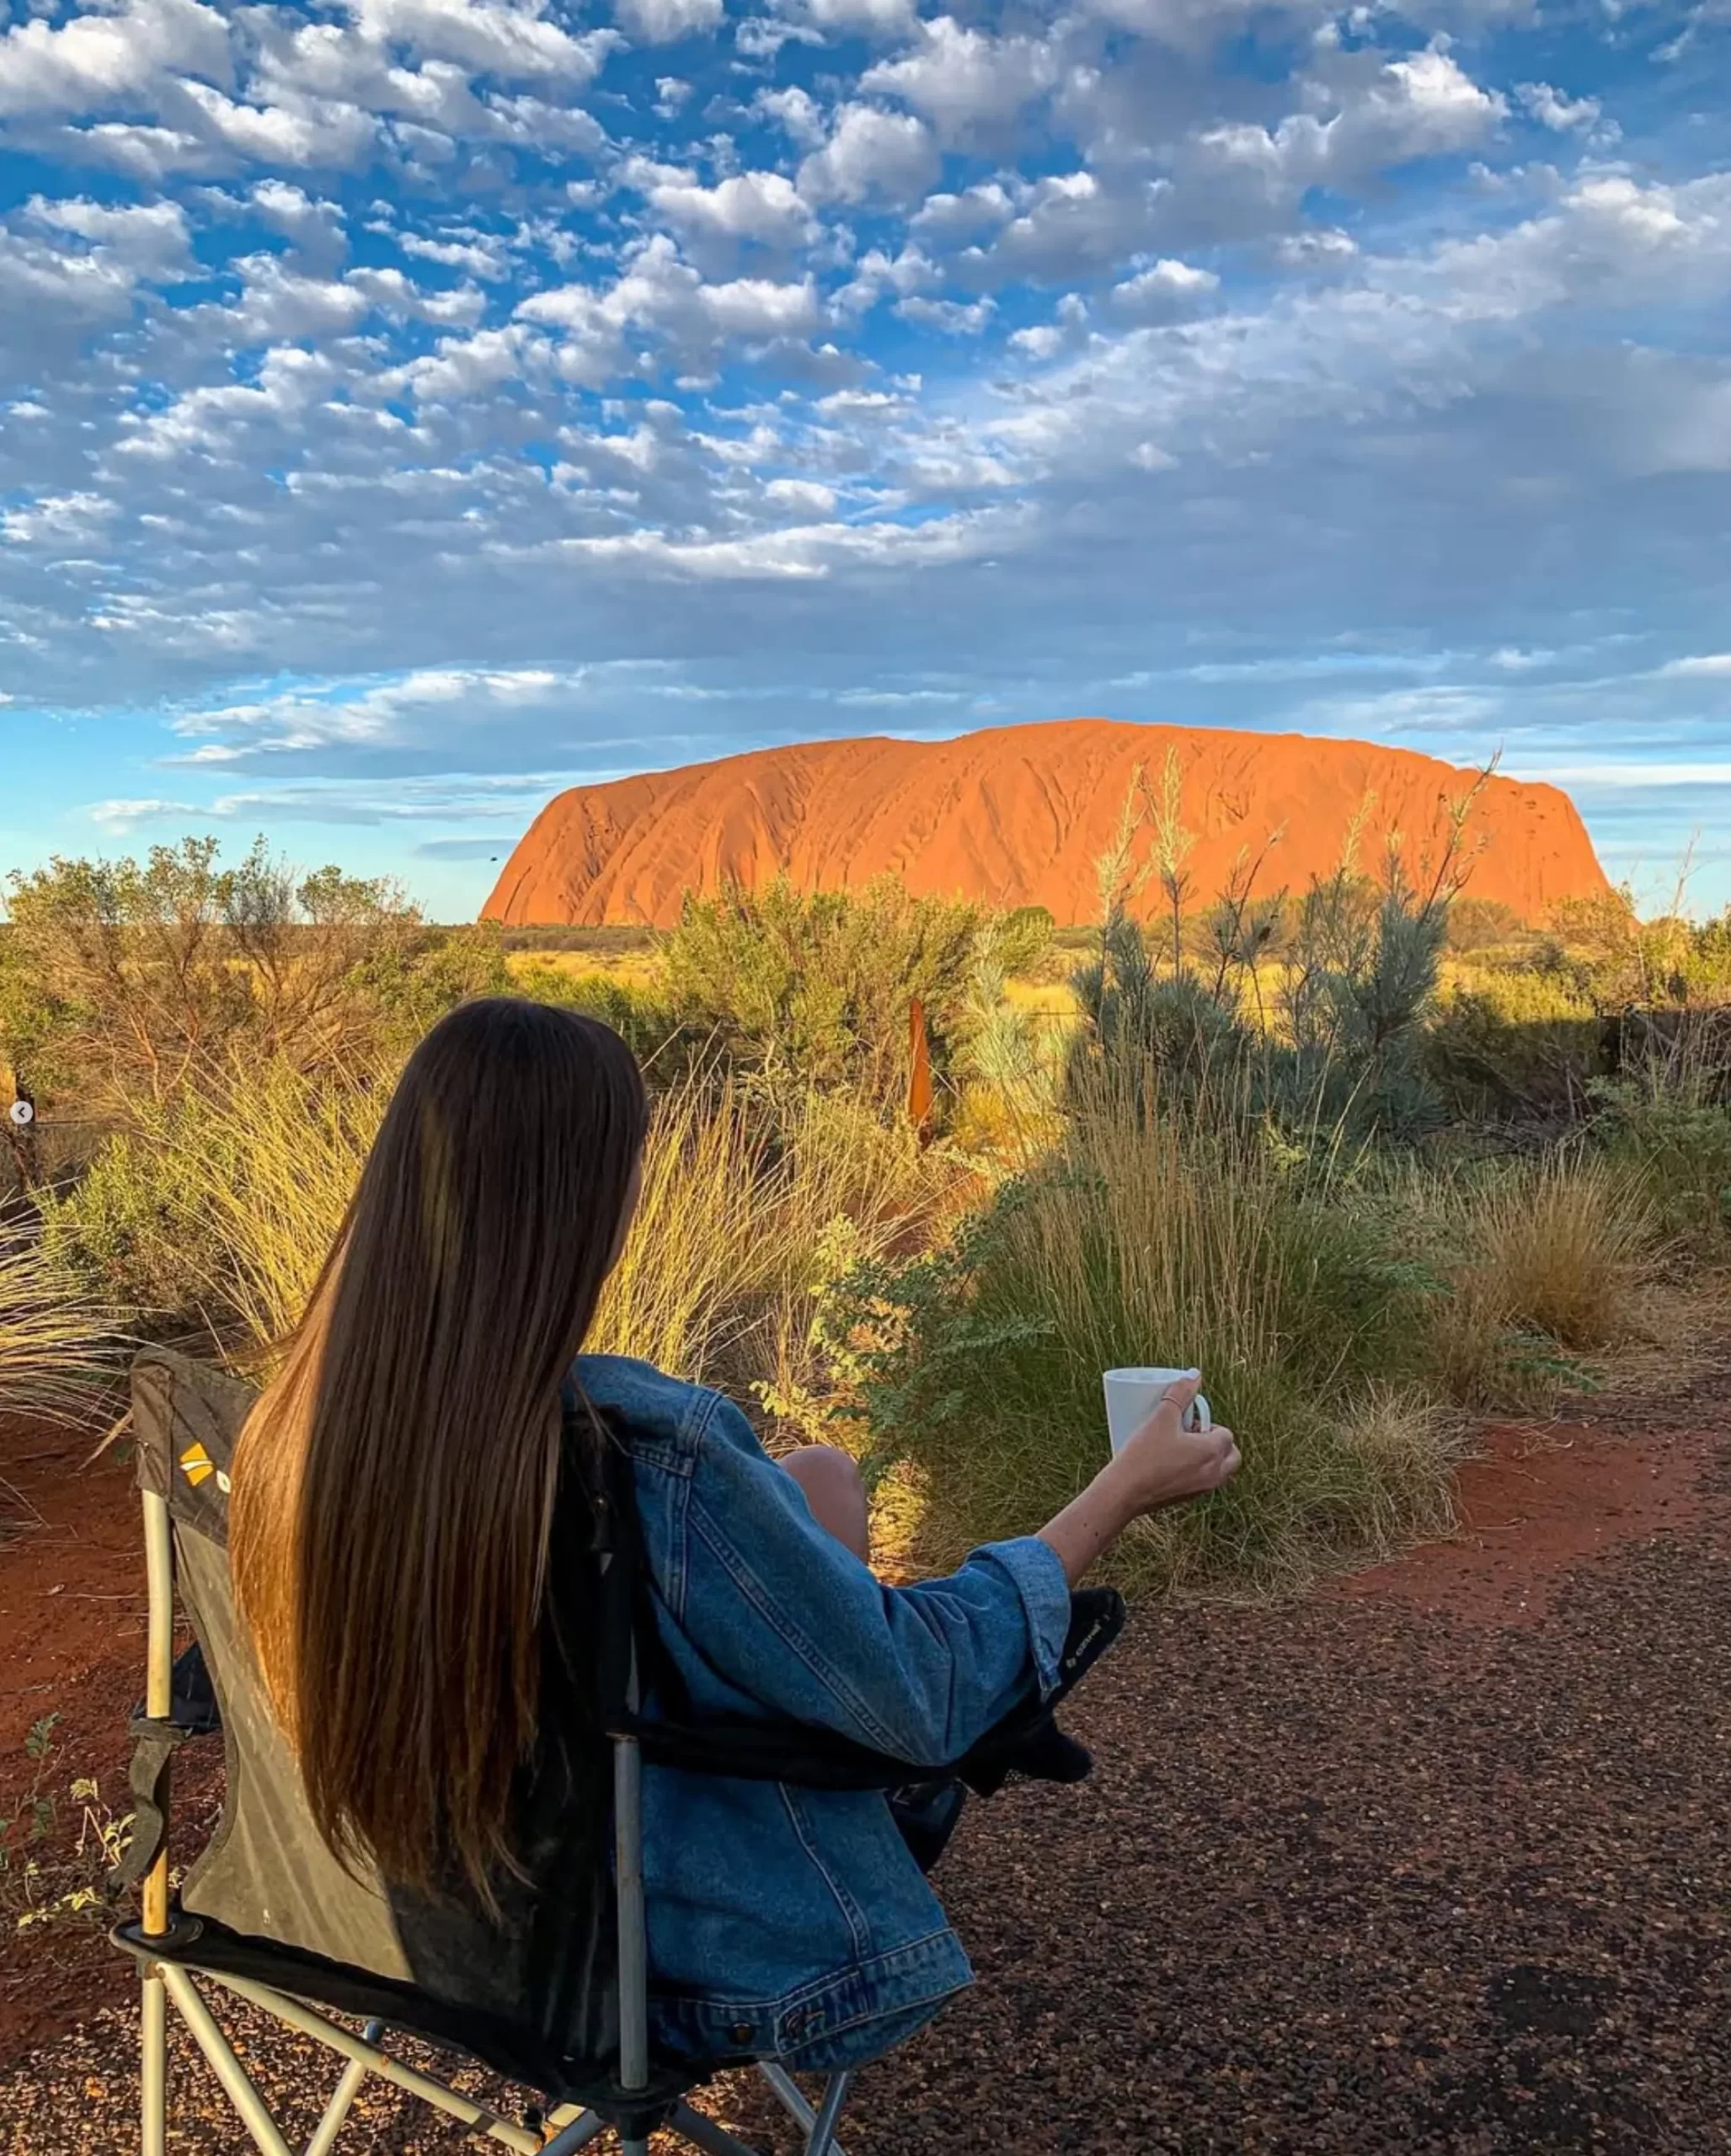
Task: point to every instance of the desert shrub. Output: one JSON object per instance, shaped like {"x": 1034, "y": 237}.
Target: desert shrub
{"x": 814, "y": 987}
{"x": 58, "y": 1342}
{"x": 1481, "y": 924}
{"x": 221, "y": 1210}
{"x": 977, "y": 1367}
{"x": 221, "y": 1205}
{"x": 1356, "y": 963}
{"x": 122, "y": 981}
{"x": 1619, "y": 962}
{"x": 1548, "y": 1253}
{"x": 1512, "y": 1042}
{"x": 1673, "y": 1131}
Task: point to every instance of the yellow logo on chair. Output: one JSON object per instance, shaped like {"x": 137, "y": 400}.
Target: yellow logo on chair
{"x": 198, "y": 1466}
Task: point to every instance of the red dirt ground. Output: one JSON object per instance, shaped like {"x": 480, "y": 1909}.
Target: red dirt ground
{"x": 71, "y": 1646}
{"x": 1543, "y": 1501}
{"x": 1544, "y": 1498}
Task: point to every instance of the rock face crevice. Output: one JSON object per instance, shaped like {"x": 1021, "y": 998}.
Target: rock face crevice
{"x": 1019, "y": 815}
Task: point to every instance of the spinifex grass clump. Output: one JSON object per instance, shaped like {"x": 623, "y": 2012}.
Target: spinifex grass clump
{"x": 1181, "y": 1237}
{"x": 58, "y": 1346}
{"x": 224, "y": 1208}
{"x": 1548, "y": 1256}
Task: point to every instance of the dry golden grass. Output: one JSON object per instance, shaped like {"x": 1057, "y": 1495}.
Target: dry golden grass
{"x": 737, "y": 1222}
{"x": 1178, "y": 1240}
{"x": 59, "y": 1347}
{"x": 1556, "y": 1252}
{"x": 641, "y": 969}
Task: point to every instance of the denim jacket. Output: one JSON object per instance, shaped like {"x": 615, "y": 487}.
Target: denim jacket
{"x": 785, "y": 1923}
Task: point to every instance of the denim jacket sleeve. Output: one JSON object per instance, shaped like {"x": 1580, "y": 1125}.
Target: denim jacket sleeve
{"x": 783, "y": 1612}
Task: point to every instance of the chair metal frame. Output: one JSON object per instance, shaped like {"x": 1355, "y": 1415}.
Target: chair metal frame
{"x": 171, "y": 1981}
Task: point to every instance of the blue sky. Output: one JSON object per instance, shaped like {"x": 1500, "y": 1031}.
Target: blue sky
{"x": 409, "y": 407}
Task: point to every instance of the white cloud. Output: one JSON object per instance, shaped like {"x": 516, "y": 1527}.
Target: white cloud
{"x": 1165, "y": 290}
{"x": 208, "y": 422}
{"x": 797, "y": 111}
{"x": 317, "y": 132}
{"x": 280, "y": 203}
{"x": 94, "y": 61}
{"x": 464, "y": 366}
{"x": 660, "y": 293}
{"x": 751, "y": 205}
{"x": 870, "y": 155}
{"x": 279, "y": 306}
{"x": 60, "y": 522}
{"x": 961, "y": 78}
{"x": 1044, "y": 340}
{"x": 798, "y": 552}
{"x": 495, "y": 37}
{"x": 952, "y": 317}
{"x": 1552, "y": 109}
{"x": 393, "y": 710}
{"x": 804, "y": 497}
{"x": 483, "y": 258}
{"x": 944, "y": 219}
{"x": 1713, "y": 665}
{"x": 664, "y": 22}
{"x": 1423, "y": 106}
{"x": 1066, "y": 220}
{"x": 151, "y": 240}
{"x": 879, "y": 18}
{"x": 1327, "y": 247}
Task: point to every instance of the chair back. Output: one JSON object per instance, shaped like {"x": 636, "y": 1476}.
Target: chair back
{"x": 542, "y": 1966}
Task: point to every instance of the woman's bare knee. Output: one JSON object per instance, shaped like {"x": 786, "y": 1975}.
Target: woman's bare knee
{"x": 836, "y": 1492}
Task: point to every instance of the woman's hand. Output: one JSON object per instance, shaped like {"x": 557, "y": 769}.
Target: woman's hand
{"x": 1163, "y": 1464}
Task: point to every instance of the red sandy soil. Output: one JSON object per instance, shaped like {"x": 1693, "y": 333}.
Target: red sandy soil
{"x": 1020, "y": 815}
{"x": 1544, "y": 1498}
{"x": 71, "y": 1647}
{"x": 1543, "y": 1501}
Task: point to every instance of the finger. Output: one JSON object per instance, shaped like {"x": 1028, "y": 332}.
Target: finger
{"x": 1182, "y": 1391}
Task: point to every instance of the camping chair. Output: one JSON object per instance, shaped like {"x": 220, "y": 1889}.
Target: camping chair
{"x": 269, "y": 1914}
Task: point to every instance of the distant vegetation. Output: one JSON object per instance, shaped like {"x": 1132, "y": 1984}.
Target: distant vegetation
{"x": 1376, "y": 1155}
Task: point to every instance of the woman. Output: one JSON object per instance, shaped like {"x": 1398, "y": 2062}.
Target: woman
{"x": 402, "y": 1537}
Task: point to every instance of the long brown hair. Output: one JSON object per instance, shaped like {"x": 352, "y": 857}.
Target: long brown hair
{"x": 394, "y": 1486}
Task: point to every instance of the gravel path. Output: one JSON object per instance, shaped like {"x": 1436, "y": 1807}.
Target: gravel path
{"x": 1352, "y": 1875}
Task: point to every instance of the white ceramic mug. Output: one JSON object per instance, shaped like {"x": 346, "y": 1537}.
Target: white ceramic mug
{"x": 1132, "y": 1396}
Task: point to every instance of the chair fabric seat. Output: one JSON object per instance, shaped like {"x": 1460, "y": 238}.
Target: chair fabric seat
{"x": 201, "y": 1946}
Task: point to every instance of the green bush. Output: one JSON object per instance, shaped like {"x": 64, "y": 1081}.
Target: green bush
{"x": 1678, "y": 1139}
{"x": 1151, "y": 1239}
{"x": 122, "y": 983}
{"x": 814, "y": 987}
{"x": 1517, "y": 1043}
{"x": 638, "y": 1015}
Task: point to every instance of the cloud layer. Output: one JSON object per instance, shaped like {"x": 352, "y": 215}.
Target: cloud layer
{"x": 406, "y": 405}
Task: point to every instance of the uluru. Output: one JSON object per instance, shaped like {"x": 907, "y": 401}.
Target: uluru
{"x": 1019, "y": 815}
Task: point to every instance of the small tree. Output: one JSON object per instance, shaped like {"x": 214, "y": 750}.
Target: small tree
{"x": 125, "y": 981}
{"x": 815, "y": 987}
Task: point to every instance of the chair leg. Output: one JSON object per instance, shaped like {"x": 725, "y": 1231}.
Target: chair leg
{"x": 704, "y": 2133}
{"x": 577, "y": 2134}
{"x": 822, "y": 2141}
{"x": 153, "y": 2062}
{"x": 236, "y": 2082}
{"x": 787, "y": 2092}
{"x": 343, "y": 2096}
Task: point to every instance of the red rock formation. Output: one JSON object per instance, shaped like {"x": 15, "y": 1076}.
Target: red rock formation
{"x": 1020, "y": 815}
